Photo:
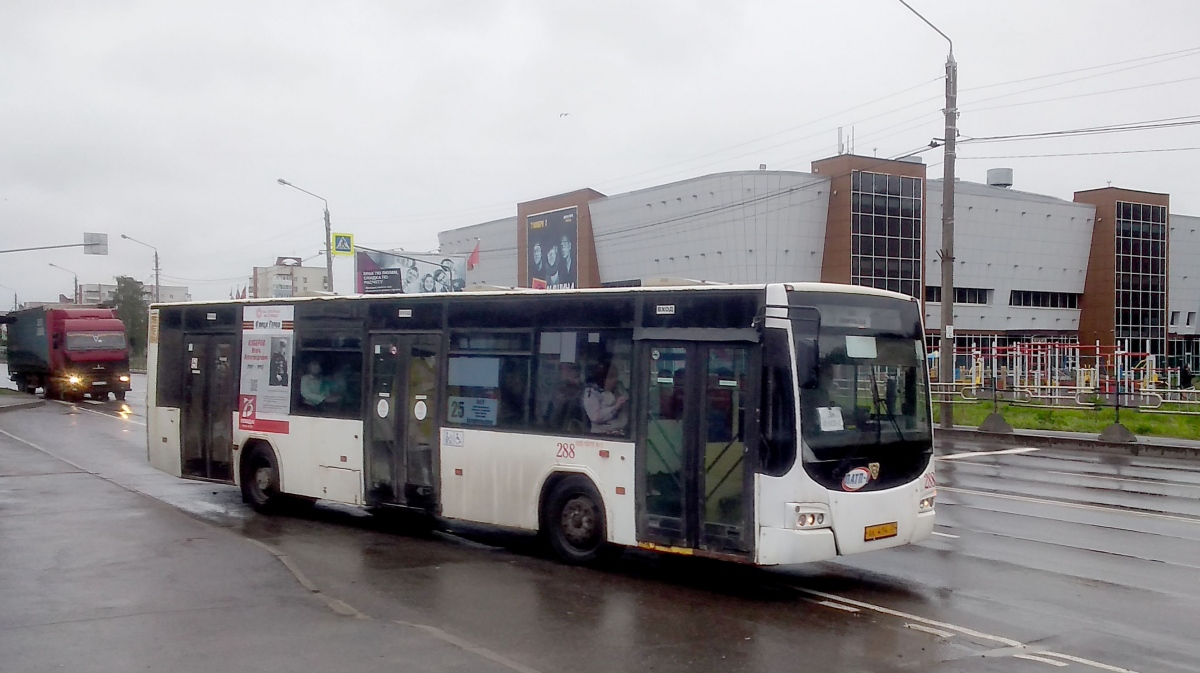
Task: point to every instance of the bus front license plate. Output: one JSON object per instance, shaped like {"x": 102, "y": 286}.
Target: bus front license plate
{"x": 879, "y": 531}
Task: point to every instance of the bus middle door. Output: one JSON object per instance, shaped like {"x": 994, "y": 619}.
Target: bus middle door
{"x": 693, "y": 443}
{"x": 402, "y": 431}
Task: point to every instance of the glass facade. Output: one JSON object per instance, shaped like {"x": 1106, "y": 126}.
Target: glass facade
{"x": 1141, "y": 277}
{"x": 885, "y": 216}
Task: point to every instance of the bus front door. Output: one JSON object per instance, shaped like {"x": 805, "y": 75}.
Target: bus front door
{"x": 692, "y": 447}
{"x": 209, "y": 402}
{"x": 402, "y": 431}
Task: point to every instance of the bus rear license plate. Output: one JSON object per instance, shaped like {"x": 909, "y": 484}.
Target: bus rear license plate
{"x": 880, "y": 531}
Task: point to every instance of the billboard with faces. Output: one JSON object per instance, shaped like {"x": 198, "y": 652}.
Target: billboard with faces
{"x": 552, "y": 240}
{"x": 410, "y": 273}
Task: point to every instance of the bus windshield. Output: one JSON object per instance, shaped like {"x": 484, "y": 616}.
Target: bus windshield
{"x": 871, "y": 397}
{"x": 95, "y": 341}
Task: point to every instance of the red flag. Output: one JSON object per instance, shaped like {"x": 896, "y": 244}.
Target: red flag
{"x": 473, "y": 260}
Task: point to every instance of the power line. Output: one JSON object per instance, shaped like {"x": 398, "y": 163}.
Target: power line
{"x": 1086, "y": 154}
{"x": 1180, "y": 53}
{"x": 1085, "y": 95}
{"x": 1170, "y": 122}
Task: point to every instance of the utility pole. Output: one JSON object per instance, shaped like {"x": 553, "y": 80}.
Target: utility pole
{"x": 946, "y": 344}
{"x": 157, "y": 279}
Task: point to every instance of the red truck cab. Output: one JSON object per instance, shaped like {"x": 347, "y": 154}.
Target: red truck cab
{"x": 69, "y": 352}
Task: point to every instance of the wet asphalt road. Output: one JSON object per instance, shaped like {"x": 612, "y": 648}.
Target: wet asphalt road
{"x": 1043, "y": 560}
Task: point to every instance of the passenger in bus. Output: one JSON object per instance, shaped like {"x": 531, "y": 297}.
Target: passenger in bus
{"x": 605, "y": 401}
{"x": 321, "y": 392}
{"x": 564, "y": 411}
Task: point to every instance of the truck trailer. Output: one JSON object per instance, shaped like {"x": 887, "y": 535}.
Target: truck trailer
{"x": 69, "y": 352}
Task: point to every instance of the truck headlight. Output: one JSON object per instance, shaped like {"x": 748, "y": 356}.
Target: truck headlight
{"x": 123, "y": 378}
{"x": 74, "y": 379}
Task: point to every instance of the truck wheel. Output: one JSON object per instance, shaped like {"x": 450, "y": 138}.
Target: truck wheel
{"x": 119, "y": 395}
{"x": 260, "y": 480}
{"x": 51, "y": 390}
{"x": 574, "y": 520}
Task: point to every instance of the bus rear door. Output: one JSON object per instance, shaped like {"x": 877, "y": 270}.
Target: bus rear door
{"x": 209, "y": 402}
{"x": 693, "y": 444}
{"x": 402, "y": 432}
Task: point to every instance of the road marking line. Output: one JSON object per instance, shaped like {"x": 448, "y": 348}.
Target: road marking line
{"x": 479, "y": 650}
{"x": 910, "y": 617}
{"x": 1044, "y": 660}
{"x": 1072, "y": 505}
{"x": 953, "y": 537}
{"x": 976, "y": 454}
{"x": 957, "y": 629}
{"x": 100, "y": 413}
{"x": 928, "y": 629}
{"x": 93, "y": 401}
{"x": 837, "y": 606}
{"x": 1089, "y": 662}
{"x": 46, "y": 451}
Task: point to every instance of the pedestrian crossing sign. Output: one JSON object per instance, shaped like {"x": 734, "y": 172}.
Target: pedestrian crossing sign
{"x": 343, "y": 244}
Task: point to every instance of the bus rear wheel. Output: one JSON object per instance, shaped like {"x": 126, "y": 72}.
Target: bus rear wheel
{"x": 574, "y": 520}
{"x": 260, "y": 480}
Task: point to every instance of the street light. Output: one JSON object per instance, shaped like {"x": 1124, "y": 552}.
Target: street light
{"x": 157, "y": 270}
{"x": 946, "y": 349}
{"x": 328, "y": 234}
{"x": 62, "y": 268}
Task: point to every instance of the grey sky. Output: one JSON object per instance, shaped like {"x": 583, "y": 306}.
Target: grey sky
{"x": 171, "y": 121}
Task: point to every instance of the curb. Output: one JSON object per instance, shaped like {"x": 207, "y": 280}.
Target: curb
{"x": 1139, "y": 448}
{"x": 22, "y": 405}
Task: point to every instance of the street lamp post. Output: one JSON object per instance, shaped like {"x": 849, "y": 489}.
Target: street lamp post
{"x": 157, "y": 270}
{"x": 61, "y": 268}
{"x": 328, "y": 233}
{"x": 946, "y": 349}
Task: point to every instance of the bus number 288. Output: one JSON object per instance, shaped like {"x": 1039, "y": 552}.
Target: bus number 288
{"x": 566, "y": 450}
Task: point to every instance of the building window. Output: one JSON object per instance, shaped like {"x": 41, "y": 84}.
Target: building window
{"x": 962, "y": 295}
{"x": 1038, "y": 299}
{"x": 1174, "y": 318}
{"x": 1141, "y": 278}
{"x": 885, "y": 212}
{"x": 1191, "y": 318}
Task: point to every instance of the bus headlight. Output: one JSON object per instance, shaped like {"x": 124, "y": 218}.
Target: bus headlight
{"x": 123, "y": 378}
{"x": 926, "y": 504}
{"x": 806, "y": 516}
{"x": 74, "y": 380}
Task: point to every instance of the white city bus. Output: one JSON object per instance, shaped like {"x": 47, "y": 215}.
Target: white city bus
{"x": 767, "y": 424}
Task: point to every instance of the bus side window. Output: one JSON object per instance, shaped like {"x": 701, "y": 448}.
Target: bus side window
{"x": 778, "y": 418}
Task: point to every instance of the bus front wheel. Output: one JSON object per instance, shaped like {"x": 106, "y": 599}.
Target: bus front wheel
{"x": 574, "y": 520}
{"x": 260, "y": 479}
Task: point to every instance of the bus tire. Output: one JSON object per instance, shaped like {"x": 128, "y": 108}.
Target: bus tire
{"x": 573, "y": 520}
{"x": 260, "y": 479}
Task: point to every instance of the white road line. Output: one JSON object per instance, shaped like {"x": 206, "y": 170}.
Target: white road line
{"x": 838, "y": 606}
{"x": 1072, "y": 505}
{"x": 93, "y": 401}
{"x": 1089, "y": 662}
{"x": 100, "y": 413}
{"x": 957, "y": 629}
{"x": 46, "y": 451}
{"x": 952, "y": 537}
{"x": 928, "y": 629}
{"x": 1044, "y": 660}
{"x": 976, "y": 454}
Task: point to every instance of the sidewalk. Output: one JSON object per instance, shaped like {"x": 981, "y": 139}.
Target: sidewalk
{"x": 11, "y": 400}
{"x": 1166, "y": 447}
{"x": 94, "y": 577}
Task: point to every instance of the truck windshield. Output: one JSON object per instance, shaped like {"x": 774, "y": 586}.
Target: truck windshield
{"x": 95, "y": 341}
{"x": 871, "y": 399}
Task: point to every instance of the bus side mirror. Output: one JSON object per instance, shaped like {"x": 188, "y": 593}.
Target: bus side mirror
{"x": 807, "y": 371}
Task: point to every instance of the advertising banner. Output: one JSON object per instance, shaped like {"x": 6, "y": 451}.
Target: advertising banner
{"x": 552, "y": 241}
{"x": 410, "y": 273}
{"x": 267, "y": 344}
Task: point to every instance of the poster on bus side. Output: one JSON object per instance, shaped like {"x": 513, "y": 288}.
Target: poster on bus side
{"x": 265, "y": 396}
